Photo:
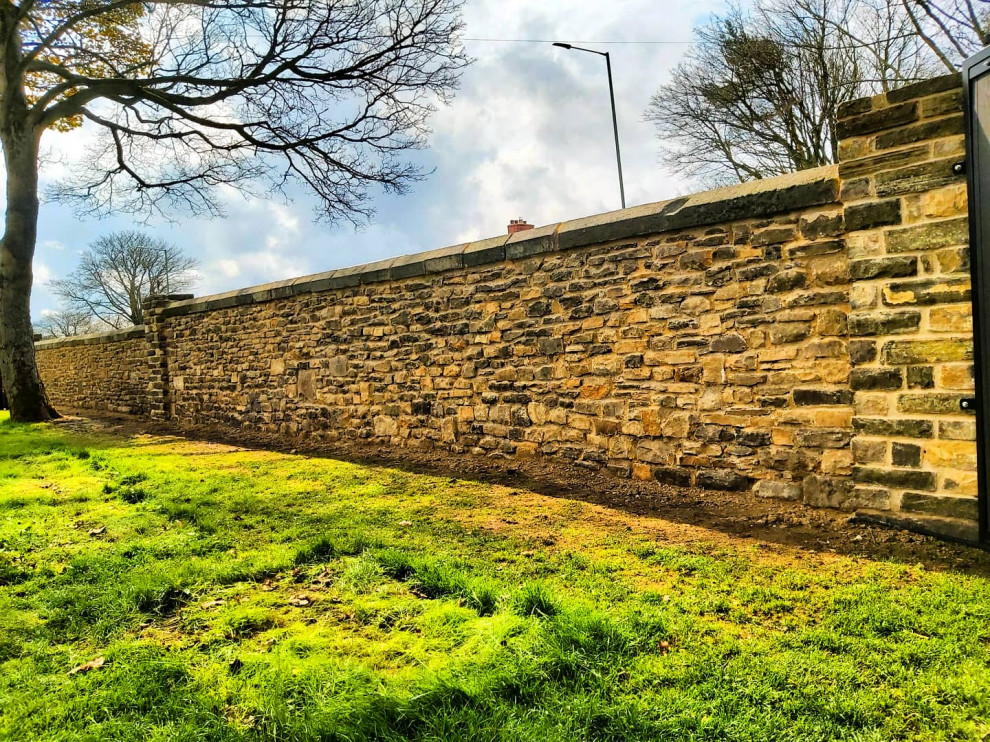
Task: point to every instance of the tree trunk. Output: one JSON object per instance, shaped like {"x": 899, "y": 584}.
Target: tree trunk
{"x": 18, "y": 370}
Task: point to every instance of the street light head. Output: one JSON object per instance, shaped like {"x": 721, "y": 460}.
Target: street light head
{"x": 562, "y": 45}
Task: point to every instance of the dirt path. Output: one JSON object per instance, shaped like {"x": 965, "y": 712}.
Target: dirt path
{"x": 776, "y": 525}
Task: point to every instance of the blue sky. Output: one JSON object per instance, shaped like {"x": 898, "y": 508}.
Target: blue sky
{"x": 528, "y": 135}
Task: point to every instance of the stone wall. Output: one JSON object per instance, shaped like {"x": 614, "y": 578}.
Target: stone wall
{"x": 911, "y": 342}
{"x": 107, "y": 371}
{"x": 709, "y": 355}
{"x": 807, "y": 336}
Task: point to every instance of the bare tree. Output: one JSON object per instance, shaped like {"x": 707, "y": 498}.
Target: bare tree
{"x": 118, "y": 271}
{"x": 64, "y": 323}
{"x": 952, "y": 29}
{"x": 191, "y": 95}
{"x": 759, "y": 92}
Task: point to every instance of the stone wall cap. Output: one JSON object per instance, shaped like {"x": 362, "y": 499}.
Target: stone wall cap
{"x": 93, "y": 338}
{"x": 755, "y": 199}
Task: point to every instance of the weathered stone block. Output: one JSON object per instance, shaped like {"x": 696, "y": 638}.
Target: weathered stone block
{"x": 869, "y": 450}
{"x": 920, "y": 377}
{"x": 778, "y": 490}
{"x": 789, "y": 332}
{"x": 873, "y": 214}
{"x": 823, "y": 437}
{"x": 905, "y": 454}
{"x": 945, "y": 506}
{"x": 862, "y": 351}
{"x": 811, "y": 397}
{"x": 905, "y": 352}
{"x": 893, "y": 428}
{"x": 927, "y": 293}
{"x": 930, "y": 236}
{"x": 889, "y": 160}
{"x": 957, "y": 430}
{"x": 895, "y": 478}
{"x": 822, "y": 224}
{"x": 935, "y": 129}
{"x": 787, "y": 281}
{"x": 884, "y": 323}
{"x": 885, "y": 118}
{"x": 876, "y": 379}
{"x": 916, "y": 178}
{"x": 815, "y": 249}
{"x": 940, "y": 203}
{"x": 942, "y": 104}
{"x": 956, "y": 376}
{"x": 922, "y": 89}
{"x": 900, "y": 267}
{"x": 774, "y": 235}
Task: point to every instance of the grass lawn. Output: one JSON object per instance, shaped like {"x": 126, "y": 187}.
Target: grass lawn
{"x": 232, "y": 594}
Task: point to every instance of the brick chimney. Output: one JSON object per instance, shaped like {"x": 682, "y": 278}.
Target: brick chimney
{"x": 519, "y": 225}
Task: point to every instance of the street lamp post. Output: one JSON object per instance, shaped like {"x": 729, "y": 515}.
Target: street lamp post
{"x": 615, "y": 121}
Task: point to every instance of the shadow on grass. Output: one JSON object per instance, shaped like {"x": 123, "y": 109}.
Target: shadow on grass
{"x": 771, "y": 523}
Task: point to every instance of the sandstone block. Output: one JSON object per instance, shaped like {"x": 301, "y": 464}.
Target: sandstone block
{"x": 884, "y": 323}
{"x": 902, "y": 352}
{"x": 778, "y": 490}
{"x": 722, "y": 479}
{"x": 950, "y": 454}
{"x": 930, "y": 236}
{"x": 895, "y": 478}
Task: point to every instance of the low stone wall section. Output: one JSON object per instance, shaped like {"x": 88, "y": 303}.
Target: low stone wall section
{"x": 106, "y": 371}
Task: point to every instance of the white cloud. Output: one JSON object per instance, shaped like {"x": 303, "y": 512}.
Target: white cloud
{"x": 42, "y": 273}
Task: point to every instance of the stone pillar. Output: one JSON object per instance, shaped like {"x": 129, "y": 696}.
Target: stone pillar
{"x": 910, "y": 327}
{"x": 159, "y": 386}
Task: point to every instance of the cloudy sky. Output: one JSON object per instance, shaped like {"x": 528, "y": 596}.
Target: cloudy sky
{"x": 528, "y": 135}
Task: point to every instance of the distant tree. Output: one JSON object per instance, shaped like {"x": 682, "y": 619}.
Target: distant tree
{"x": 193, "y": 96}
{"x": 758, "y": 94}
{"x": 118, "y": 271}
{"x": 63, "y": 323}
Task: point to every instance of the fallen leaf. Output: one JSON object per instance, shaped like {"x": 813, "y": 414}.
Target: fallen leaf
{"x": 98, "y": 531}
{"x": 91, "y": 665}
{"x": 300, "y": 600}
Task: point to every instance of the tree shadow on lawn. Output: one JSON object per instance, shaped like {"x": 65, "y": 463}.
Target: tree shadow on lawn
{"x": 741, "y": 516}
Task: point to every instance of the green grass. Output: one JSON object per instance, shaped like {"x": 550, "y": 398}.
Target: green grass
{"x": 245, "y": 595}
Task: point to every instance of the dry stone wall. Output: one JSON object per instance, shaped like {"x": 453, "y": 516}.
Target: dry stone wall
{"x": 808, "y": 336}
{"x": 106, "y": 371}
{"x": 709, "y": 356}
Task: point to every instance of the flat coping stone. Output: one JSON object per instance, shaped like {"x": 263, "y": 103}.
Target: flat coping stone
{"x": 93, "y": 338}
{"x": 752, "y": 200}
